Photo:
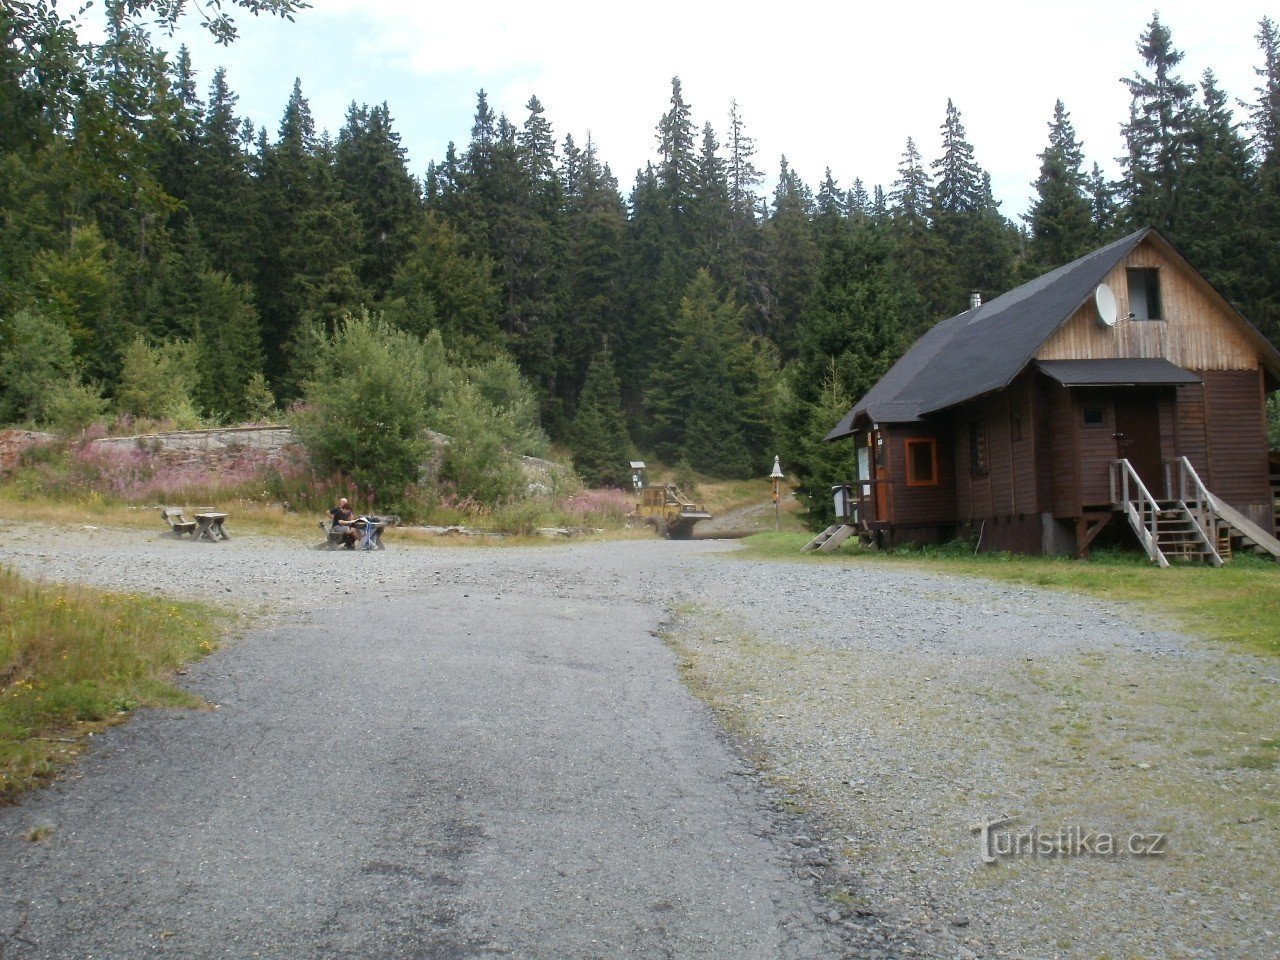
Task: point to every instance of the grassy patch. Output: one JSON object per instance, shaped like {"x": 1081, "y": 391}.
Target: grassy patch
{"x": 73, "y": 660}
{"x": 1239, "y": 601}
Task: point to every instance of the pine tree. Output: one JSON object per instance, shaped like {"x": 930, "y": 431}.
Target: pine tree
{"x": 854, "y": 330}
{"x": 792, "y": 256}
{"x": 1156, "y": 136}
{"x": 1217, "y": 222}
{"x": 370, "y": 166}
{"x": 709, "y": 400}
{"x": 598, "y": 435}
{"x": 222, "y": 202}
{"x": 709, "y": 211}
{"x": 1061, "y": 218}
{"x": 1263, "y": 303}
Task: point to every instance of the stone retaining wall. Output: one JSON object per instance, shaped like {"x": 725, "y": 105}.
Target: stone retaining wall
{"x": 212, "y": 446}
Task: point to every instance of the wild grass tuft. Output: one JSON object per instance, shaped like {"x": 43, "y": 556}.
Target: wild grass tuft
{"x": 73, "y": 659}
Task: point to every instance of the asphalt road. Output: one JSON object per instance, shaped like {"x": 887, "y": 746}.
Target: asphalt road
{"x": 501, "y": 762}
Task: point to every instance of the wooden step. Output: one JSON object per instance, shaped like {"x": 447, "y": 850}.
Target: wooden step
{"x": 830, "y": 538}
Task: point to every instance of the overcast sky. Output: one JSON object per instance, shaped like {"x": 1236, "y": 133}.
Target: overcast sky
{"x": 839, "y": 85}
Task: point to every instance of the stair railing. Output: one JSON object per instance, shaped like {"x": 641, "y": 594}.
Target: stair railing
{"x": 1140, "y": 507}
{"x": 1189, "y": 487}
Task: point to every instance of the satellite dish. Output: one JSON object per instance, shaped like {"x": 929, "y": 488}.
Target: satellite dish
{"x": 1105, "y": 301}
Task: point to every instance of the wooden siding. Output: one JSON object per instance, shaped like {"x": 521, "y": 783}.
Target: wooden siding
{"x": 921, "y": 505}
{"x": 1195, "y": 333}
{"x": 1063, "y": 451}
{"x": 1238, "y": 467}
{"x": 1191, "y": 430}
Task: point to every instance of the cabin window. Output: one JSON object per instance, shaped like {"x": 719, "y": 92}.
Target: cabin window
{"x": 1095, "y": 416}
{"x": 922, "y": 462}
{"x": 978, "y": 445}
{"x": 1144, "y": 293}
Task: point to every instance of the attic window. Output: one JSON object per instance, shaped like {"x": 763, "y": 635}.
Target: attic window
{"x": 922, "y": 462}
{"x": 1144, "y": 293}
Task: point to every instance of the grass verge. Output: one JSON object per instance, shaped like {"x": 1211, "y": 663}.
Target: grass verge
{"x": 1239, "y": 601}
{"x": 73, "y": 660}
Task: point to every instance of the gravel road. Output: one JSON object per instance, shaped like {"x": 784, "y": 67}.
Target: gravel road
{"x": 432, "y": 752}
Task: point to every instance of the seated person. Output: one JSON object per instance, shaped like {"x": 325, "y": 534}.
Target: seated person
{"x": 344, "y": 523}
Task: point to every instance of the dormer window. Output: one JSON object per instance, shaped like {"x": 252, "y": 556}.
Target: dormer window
{"x": 1144, "y": 293}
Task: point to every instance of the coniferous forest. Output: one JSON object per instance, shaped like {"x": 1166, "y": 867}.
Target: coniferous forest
{"x": 161, "y": 256}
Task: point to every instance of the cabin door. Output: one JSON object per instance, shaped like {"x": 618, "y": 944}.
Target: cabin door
{"x": 1138, "y": 437}
{"x": 881, "y": 485}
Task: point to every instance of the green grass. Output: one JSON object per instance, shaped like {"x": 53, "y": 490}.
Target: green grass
{"x": 73, "y": 660}
{"x": 1238, "y": 602}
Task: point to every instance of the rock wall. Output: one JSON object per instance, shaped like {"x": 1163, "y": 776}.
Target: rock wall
{"x": 210, "y": 447}
{"x": 14, "y": 442}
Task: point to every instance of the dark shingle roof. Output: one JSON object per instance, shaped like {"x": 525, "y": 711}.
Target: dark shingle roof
{"x": 983, "y": 350}
{"x": 1155, "y": 372}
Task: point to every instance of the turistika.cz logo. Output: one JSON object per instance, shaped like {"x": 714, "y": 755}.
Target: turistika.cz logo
{"x": 998, "y": 841}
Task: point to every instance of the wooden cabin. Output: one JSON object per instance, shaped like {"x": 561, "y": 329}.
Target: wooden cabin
{"x": 1121, "y": 386}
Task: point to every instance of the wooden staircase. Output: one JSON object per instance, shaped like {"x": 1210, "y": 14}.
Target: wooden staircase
{"x": 1182, "y": 529}
{"x": 1178, "y": 533}
{"x": 830, "y": 538}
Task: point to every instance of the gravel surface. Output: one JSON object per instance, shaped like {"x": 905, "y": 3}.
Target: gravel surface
{"x": 471, "y": 752}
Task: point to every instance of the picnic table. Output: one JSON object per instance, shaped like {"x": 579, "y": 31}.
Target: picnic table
{"x": 209, "y": 526}
{"x": 371, "y": 532}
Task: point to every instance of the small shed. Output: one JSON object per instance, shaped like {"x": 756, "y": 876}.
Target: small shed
{"x": 1122, "y": 385}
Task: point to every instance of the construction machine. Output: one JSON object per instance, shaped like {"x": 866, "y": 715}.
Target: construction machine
{"x": 664, "y": 507}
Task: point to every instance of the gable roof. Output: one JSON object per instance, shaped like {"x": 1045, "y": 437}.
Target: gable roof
{"x": 983, "y": 350}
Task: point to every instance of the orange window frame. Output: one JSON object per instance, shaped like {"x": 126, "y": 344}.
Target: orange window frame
{"x": 913, "y": 479}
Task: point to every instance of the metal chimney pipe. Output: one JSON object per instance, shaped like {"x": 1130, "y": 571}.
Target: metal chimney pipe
{"x": 975, "y": 300}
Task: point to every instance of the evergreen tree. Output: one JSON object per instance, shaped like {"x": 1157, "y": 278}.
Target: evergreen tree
{"x": 598, "y": 436}
{"x": 306, "y": 271}
{"x": 709, "y": 210}
{"x": 709, "y": 401}
{"x": 370, "y": 166}
{"x": 593, "y": 267}
{"x": 793, "y": 257}
{"x": 1061, "y": 218}
{"x": 855, "y": 329}
{"x": 745, "y": 269}
{"x": 445, "y": 285}
{"x": 1156, "y": 136}
{"x": 1217, "y": 226}
{"x": 1263, "y": 302}
{"x": 222, "y": 203}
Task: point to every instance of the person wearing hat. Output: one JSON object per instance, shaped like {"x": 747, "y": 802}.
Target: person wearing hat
{"x": 344, "y": 520}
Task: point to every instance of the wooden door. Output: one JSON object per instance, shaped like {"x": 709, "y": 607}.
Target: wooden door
{"x": 879, "y": 457}
{"x": 1138, "y": 437}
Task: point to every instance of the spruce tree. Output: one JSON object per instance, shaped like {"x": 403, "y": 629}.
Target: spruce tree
{"x": 1156, "y": 136}
{"x": 1061, "y": 217}
{"x": 792, "y": 257}
{"x": 370, "y": 165}
{"x": 709, "y": 401}
{"x": 1263, "y": 303}
{"x": 598, "y": 435}
{"x": 1217, "y": 224}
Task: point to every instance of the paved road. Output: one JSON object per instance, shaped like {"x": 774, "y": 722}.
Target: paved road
{"x": 493, "y": 760}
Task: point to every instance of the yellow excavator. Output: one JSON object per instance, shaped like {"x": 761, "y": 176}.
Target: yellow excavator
{"x": 664, "y": 507}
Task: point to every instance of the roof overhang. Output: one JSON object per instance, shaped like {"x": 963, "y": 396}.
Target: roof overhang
{"x": 1137, "y": 372}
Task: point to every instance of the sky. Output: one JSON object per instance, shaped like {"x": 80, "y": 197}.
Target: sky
{"x": 839, "y": 85}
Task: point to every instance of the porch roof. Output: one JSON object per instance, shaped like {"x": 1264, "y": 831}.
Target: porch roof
{"x": 1129, "y": 372}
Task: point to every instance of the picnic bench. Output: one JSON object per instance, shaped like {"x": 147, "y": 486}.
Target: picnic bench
{"x": 210, "y": 527}
{"x": 368, "y": 531}
{"x": 177, "y": 522}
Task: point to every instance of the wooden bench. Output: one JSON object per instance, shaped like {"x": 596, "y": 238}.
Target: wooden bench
{"x": 177, "y": 522}
{"x": 368, "y": 534}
